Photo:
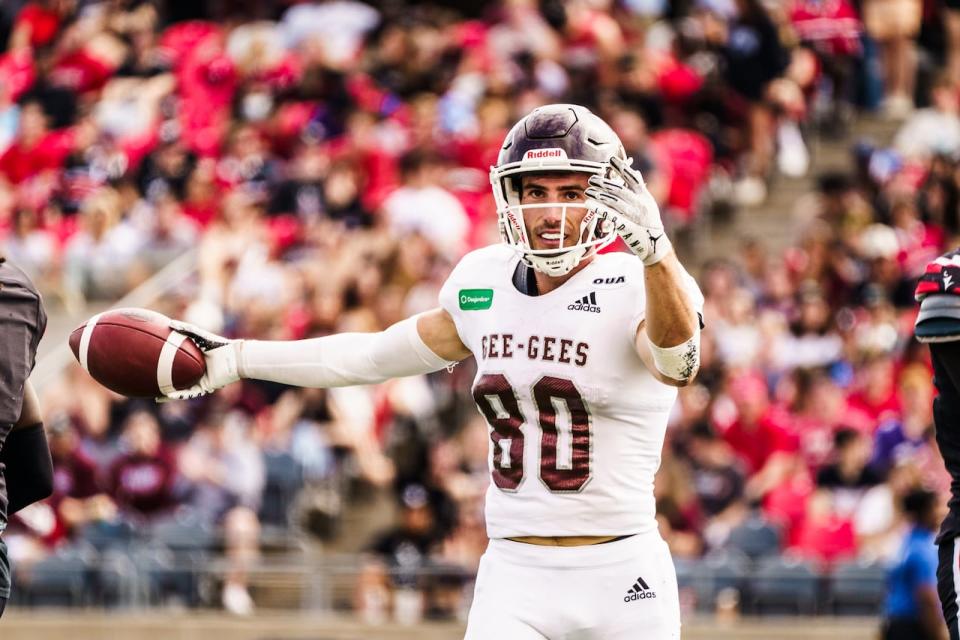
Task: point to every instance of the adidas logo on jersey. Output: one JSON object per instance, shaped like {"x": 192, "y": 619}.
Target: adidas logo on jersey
{"x": 639, "y": 591}
{"x": 586, "y": 303}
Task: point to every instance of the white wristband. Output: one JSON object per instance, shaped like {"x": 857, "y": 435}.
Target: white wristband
{"x": 680, "y": 362}
{"x": 341, "y": 360}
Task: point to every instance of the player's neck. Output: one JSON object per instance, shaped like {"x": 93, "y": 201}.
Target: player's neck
{"x": 546, "y": 284}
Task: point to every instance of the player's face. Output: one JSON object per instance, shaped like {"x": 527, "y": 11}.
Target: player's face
{"x": 544, "y": 224}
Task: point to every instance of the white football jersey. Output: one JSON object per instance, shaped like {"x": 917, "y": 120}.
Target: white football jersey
{"x": 577, "y": 421}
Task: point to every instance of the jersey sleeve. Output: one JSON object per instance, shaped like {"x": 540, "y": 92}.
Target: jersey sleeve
{"x": 22, "y": 324}
{"x": 449, "y": 299}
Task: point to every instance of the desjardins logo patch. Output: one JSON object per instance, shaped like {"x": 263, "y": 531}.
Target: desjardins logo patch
{"x": 475, "y": 299}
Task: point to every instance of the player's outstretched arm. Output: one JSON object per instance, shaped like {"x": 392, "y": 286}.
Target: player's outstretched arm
{"x": 422, "y": 344}
{"x": 668, "y": 341}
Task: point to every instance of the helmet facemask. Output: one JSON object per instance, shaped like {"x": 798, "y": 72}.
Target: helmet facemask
{"x": 592, "y": 234}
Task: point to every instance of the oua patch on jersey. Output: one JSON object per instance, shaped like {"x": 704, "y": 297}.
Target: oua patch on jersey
{"x": 475, "y": 299}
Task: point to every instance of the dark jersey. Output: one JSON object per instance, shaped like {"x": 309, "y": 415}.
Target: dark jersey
{"x": 946, "y": 417}
{"x": 22, "y": 323}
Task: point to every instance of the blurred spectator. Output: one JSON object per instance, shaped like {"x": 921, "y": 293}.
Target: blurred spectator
{"x": 880, "y": 522}
{"x": 897, "y": 439}
{"x": 32, "y": 248}
{"x": 718, "y": 482}
{"x": 759, "y": 435}
{"x": 406, "y": 551}
{"x": 912, "y": 609}
{"x": 894, "y": 23}
{"x": 421, "y": 205}
{"x": 753, "y": 56}
{"x": 849, "y": 477}
{"x": 874, "y": 394}
{"x": 37, "y": 150}
{"x": 813, "y": 341}
{"x": 678, "y": 510}
{"x": 143, "y": 477}
{"x": 223, "y": 466}
{"x": 935, "y": 129}
{"x": 831, "y": 30}
{"x": 77, "y": 498}
{"x": 103, "y": 259}
{"x": 818, "y": 409}
{"x": 225, "y": 470}
{"x": 825, "y": 535}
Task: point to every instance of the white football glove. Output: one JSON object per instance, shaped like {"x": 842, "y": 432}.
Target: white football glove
{"x": 221, "y": 356}
{"x": 622, "y": 200}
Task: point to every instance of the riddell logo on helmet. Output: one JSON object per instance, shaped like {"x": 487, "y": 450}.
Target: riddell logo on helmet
{"x": 544, "y": 154}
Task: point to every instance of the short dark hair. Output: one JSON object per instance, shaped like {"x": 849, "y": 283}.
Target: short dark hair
{"x": 918, "y": 503}
{"x": 844, "y": 437}
{"x": 703, "y": 431}
{"x": 412, "y": 161}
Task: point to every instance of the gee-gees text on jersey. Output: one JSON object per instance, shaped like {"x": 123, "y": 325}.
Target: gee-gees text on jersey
{"x": 544, "y": 348}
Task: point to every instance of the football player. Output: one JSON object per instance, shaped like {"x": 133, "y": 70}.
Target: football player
{"x": 578, "y": 359}
{"x": 938, "y": 324}
{"x": 26, "y": 470}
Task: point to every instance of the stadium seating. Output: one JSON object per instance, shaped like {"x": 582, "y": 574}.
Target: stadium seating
{"x": 719, "y": 570}
{"x": 756, "y": 537}
{"x": 857, "y": 588}
{"x": 60, "y": 579}
{"x": 784, "y": 585}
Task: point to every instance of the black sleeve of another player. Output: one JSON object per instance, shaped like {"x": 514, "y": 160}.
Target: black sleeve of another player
{"x": 29, "y": 469}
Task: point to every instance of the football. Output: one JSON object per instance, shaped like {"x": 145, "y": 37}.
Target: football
{"x": 135, "y": 353}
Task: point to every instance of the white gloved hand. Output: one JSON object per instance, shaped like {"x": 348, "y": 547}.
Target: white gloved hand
{"x": 622, "y": 199}
{"x": 221, "y": 356}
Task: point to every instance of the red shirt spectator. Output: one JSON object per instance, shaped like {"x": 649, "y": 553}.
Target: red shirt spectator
{"x": 832, "y": 26}
{"x": 755, "y": 443}
{"x": 74, "y": 475}
{"x": 760, "y": 429}
{"x": 824, "y": 536}
{"x": 80, "y": 71}
{"x": 35, "y": 149}
{"x": 141, "y": 480}
{"x": 877, "y": 396}
{"x": 786, "y": 504}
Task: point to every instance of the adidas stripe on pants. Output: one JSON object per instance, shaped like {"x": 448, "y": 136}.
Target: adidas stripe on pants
{"x": 604, "y": 592}
{"x": 948, "y": 583}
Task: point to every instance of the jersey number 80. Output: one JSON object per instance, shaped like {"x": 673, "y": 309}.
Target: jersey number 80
{"x": 506, "y": 422}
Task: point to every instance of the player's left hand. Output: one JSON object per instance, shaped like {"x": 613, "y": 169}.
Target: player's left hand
{"x": 621, "y": 198}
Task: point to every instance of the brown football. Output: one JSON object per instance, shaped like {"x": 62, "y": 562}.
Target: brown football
{"x": 135, "y": 353}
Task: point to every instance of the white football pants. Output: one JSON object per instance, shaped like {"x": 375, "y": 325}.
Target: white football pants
{"x": 613, "y": 591}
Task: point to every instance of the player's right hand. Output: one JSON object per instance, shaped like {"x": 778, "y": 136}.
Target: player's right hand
{"x": 221, "y": 356}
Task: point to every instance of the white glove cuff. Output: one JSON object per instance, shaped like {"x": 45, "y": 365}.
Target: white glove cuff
{"x": 680, "y": 362}
{"x": 342, "y": 360}
{"x": 225, "y": 364}
{"x": 659, "y": 246}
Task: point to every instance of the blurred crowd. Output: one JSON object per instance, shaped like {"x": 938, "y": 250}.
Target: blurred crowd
{"x": 328, "y": 162}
